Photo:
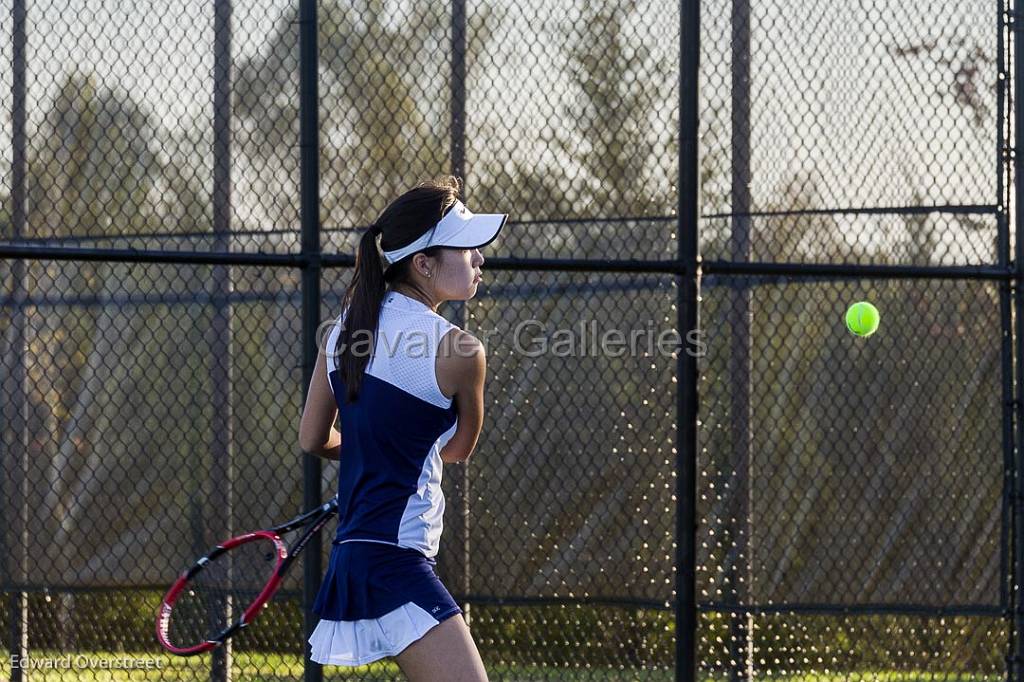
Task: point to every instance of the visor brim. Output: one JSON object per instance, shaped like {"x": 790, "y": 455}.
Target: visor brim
{"x": 479, "y": 231}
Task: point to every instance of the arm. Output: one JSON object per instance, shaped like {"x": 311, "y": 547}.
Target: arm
{"x": 317, "y": 434}
{"x": 463, "y": 365}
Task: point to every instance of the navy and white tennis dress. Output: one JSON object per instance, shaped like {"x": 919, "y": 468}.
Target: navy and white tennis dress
{"x": 380, "y": 593}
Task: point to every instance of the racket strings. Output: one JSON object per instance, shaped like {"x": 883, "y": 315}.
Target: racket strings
{"x": 216, "y": 596}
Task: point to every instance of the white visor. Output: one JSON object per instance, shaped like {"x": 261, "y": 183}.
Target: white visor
{"x": 459, "y": 228}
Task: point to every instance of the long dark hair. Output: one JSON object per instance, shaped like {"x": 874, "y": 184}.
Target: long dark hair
{"x": 404, "y": 221}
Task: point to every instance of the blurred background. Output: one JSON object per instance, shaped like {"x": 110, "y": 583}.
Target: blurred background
{"x": 166, "y": 254}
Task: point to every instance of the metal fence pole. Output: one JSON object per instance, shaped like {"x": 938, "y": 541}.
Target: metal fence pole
{"x": 1017, "y": 568}
{"x": 458, "y": 121}
{"x": 1006, "y": 290}
{"x": 220, "y": 332}
{"x": 309, "y": 146}
{"x": 687, "y": 319}
{"x": 741, "y": 623}
{"x": 458, "y": 160}
{"x": 15, "y": 406}
{"x": 1010, "y": 407}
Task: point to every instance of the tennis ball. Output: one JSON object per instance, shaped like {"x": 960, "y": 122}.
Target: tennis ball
{"x": 862, "y": 318}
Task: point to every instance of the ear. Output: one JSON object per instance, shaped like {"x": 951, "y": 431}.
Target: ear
{"x": 422, "y": 264}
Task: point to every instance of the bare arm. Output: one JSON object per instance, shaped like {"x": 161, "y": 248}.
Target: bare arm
{"x": 317, "y": 434}
{"x": 463, "y": 368}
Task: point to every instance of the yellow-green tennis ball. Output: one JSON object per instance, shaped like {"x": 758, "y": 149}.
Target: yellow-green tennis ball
{"x": 862, "y": 318}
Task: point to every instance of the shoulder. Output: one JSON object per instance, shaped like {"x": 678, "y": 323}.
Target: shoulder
{"x": 461, "y": 352}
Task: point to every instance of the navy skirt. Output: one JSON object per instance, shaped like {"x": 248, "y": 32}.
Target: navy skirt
{"x": 376, "y": 599}
{"x": 370, "y": 579}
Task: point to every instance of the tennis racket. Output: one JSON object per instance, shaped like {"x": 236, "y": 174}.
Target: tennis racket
{"x": 225, "y": 590}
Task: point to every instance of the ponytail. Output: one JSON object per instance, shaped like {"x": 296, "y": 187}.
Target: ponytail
{"x": 403, "y": 221}
{"x": 362, "y": 302}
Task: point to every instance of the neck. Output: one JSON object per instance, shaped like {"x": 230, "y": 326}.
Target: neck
{"x": 415, "y": 295}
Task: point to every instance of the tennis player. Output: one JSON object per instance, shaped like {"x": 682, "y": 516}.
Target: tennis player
{"x": 409, "y": 388}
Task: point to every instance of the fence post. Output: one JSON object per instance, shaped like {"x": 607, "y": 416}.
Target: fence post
{"x": 458, "y": 160}
{"x": 686, "y": 364}
{"x": 309, "y": 191}
{"x": 14, "y": 443}
{"x": 1006, "y": 293}
{"x": 220, "y": 340}
{"x": 1017, "y": 568}
{"x": 741, "y": 623}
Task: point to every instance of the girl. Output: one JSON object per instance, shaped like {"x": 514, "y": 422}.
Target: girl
{"x": 409, "y": 388}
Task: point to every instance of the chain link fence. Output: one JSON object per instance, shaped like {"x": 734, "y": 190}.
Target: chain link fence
{"x": 179, "y": 209}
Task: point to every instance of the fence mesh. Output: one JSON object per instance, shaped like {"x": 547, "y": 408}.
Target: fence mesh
{"x": 854, "y": 497}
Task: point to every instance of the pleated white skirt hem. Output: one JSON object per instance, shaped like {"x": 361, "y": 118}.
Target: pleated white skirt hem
{"x": 359, "y": 642}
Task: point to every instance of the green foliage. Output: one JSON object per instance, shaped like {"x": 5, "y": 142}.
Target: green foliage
{"x": 101, "y": 173}
{"x": 573, "y": 642}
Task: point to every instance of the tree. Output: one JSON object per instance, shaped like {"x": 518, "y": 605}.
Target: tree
{"x": 383, "y": 104}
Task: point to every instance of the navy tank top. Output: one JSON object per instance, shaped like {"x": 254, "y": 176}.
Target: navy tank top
{"x": 389, "y": 488}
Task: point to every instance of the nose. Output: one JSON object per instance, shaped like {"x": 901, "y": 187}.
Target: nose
{"x": 479, "y": 257}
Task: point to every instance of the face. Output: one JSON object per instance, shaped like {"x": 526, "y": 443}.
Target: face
{"x": 456, "y": 274}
